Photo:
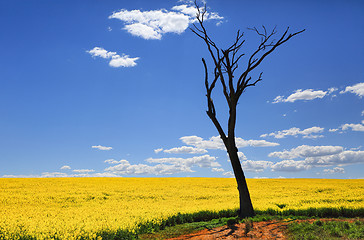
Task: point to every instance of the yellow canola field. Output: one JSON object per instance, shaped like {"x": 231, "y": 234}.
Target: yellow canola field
{"x": 71, "y": 208}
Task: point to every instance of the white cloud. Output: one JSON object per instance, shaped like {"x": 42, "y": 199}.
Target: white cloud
{"x": 229, "y": 174}
{"x": 116, "y": 60}
{"x": 313, "y": 136}
{"x": 255, "y": 166}
{"x": 242, "y": 156}
{"x": 113, "y": 161}
{"x": 216, "y": 142}
{"x": 354, "y": 127}
{"x": 357, "y": 89}
{"x": 299, "y": 94}
{"x": 333, "y": 129}
{"x": 304, "y": 151}
{"x": 342, "y": 158}
{"x": 335, "y": 159}
{"x": 185, "y": 150}
{"x": 59, "y": 174}
{"x": 100, "y": 52}
{"x": 125, "y": 168}
{"x": 294, "y": 131}
{"x": 65, "y": 167}
{"x": 83, "y": 170}
{"x": 334, "y": 170}
{"x": 362, "y": 113}
{"x": 217, "y": 170}
{"x": 254, "y": 143}
{"x": 204, "y": 161}
{"x": 158, "y": 150}
{"x": 103, "y": 148}
{"x": 290, "y": 166}
{"x": 154, "y": 24}
{"x": 53, "y": 174}
{"x": 331, "y": 90}
{"x": 213, "y": 143}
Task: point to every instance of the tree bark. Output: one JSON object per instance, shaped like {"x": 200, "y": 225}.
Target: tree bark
{"x": 246, "y": 207}
{"x": 245, "y": 204}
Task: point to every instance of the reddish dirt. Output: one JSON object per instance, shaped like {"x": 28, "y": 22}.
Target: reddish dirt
{"x": 274, "y": 229}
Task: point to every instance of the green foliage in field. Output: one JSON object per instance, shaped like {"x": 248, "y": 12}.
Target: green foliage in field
{"x": 326, "y": 230}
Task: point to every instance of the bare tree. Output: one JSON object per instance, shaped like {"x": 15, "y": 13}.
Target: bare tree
{"x": 233, "y": 85}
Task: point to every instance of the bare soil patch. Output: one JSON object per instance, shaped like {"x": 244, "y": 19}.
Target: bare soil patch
{"x": 273, "y": 229}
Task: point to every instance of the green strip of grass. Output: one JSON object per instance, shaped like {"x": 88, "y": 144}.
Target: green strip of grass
{"x": 326, "y": 230}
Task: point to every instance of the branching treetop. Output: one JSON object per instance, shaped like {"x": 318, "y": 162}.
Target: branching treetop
{"x": 226, "y": 61}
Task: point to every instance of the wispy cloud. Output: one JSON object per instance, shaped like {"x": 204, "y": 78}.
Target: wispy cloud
{"x": 103, "y": 148}
{"x": 294, "y": 131}
{"x": 158, "y": 150}
{"x": 185, "y": 150}
{"x": 305, "y": 151}
{"x": 229, "y": 174}
{"x": 115, "y": 59}
{"x": 299, "y": 94}
{"x": 83, "y": 170}
{"x": 217, "y": 170}
{"x": 65, "y": 167}
{"x": 334, "y": 170}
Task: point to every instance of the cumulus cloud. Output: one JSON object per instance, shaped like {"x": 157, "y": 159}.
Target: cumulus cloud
{"x": 216, "y": 142}
{"x": 154, "y": 24}
{"x": 65, "y": 167}
{"x": 299, "y": 94}
{"x": 357, "y": 89}
{"x": 339, "y": 159}
{"x": 354, "y": 127}
{"x": 185, "y": 150}
{"x": 255, "y": 166}
{"x": 103, "y": 148}
{"x": 305, "y": 151}
{"x": 294, "y": 131}
{"x": 115, "y": 59}
{"x": 290, "y": 166}
{"x": 334, "y": 170}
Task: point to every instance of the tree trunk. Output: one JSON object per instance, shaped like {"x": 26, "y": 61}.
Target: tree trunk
{"x": 246, "y": 206}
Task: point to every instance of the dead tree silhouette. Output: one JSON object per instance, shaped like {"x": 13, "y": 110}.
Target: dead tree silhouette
{"x": 233, "y": 85}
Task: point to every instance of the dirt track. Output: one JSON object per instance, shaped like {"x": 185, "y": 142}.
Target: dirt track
{"x": 274, "y": 229}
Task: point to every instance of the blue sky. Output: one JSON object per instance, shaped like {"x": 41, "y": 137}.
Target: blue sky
{"x": 116, "y": 88}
